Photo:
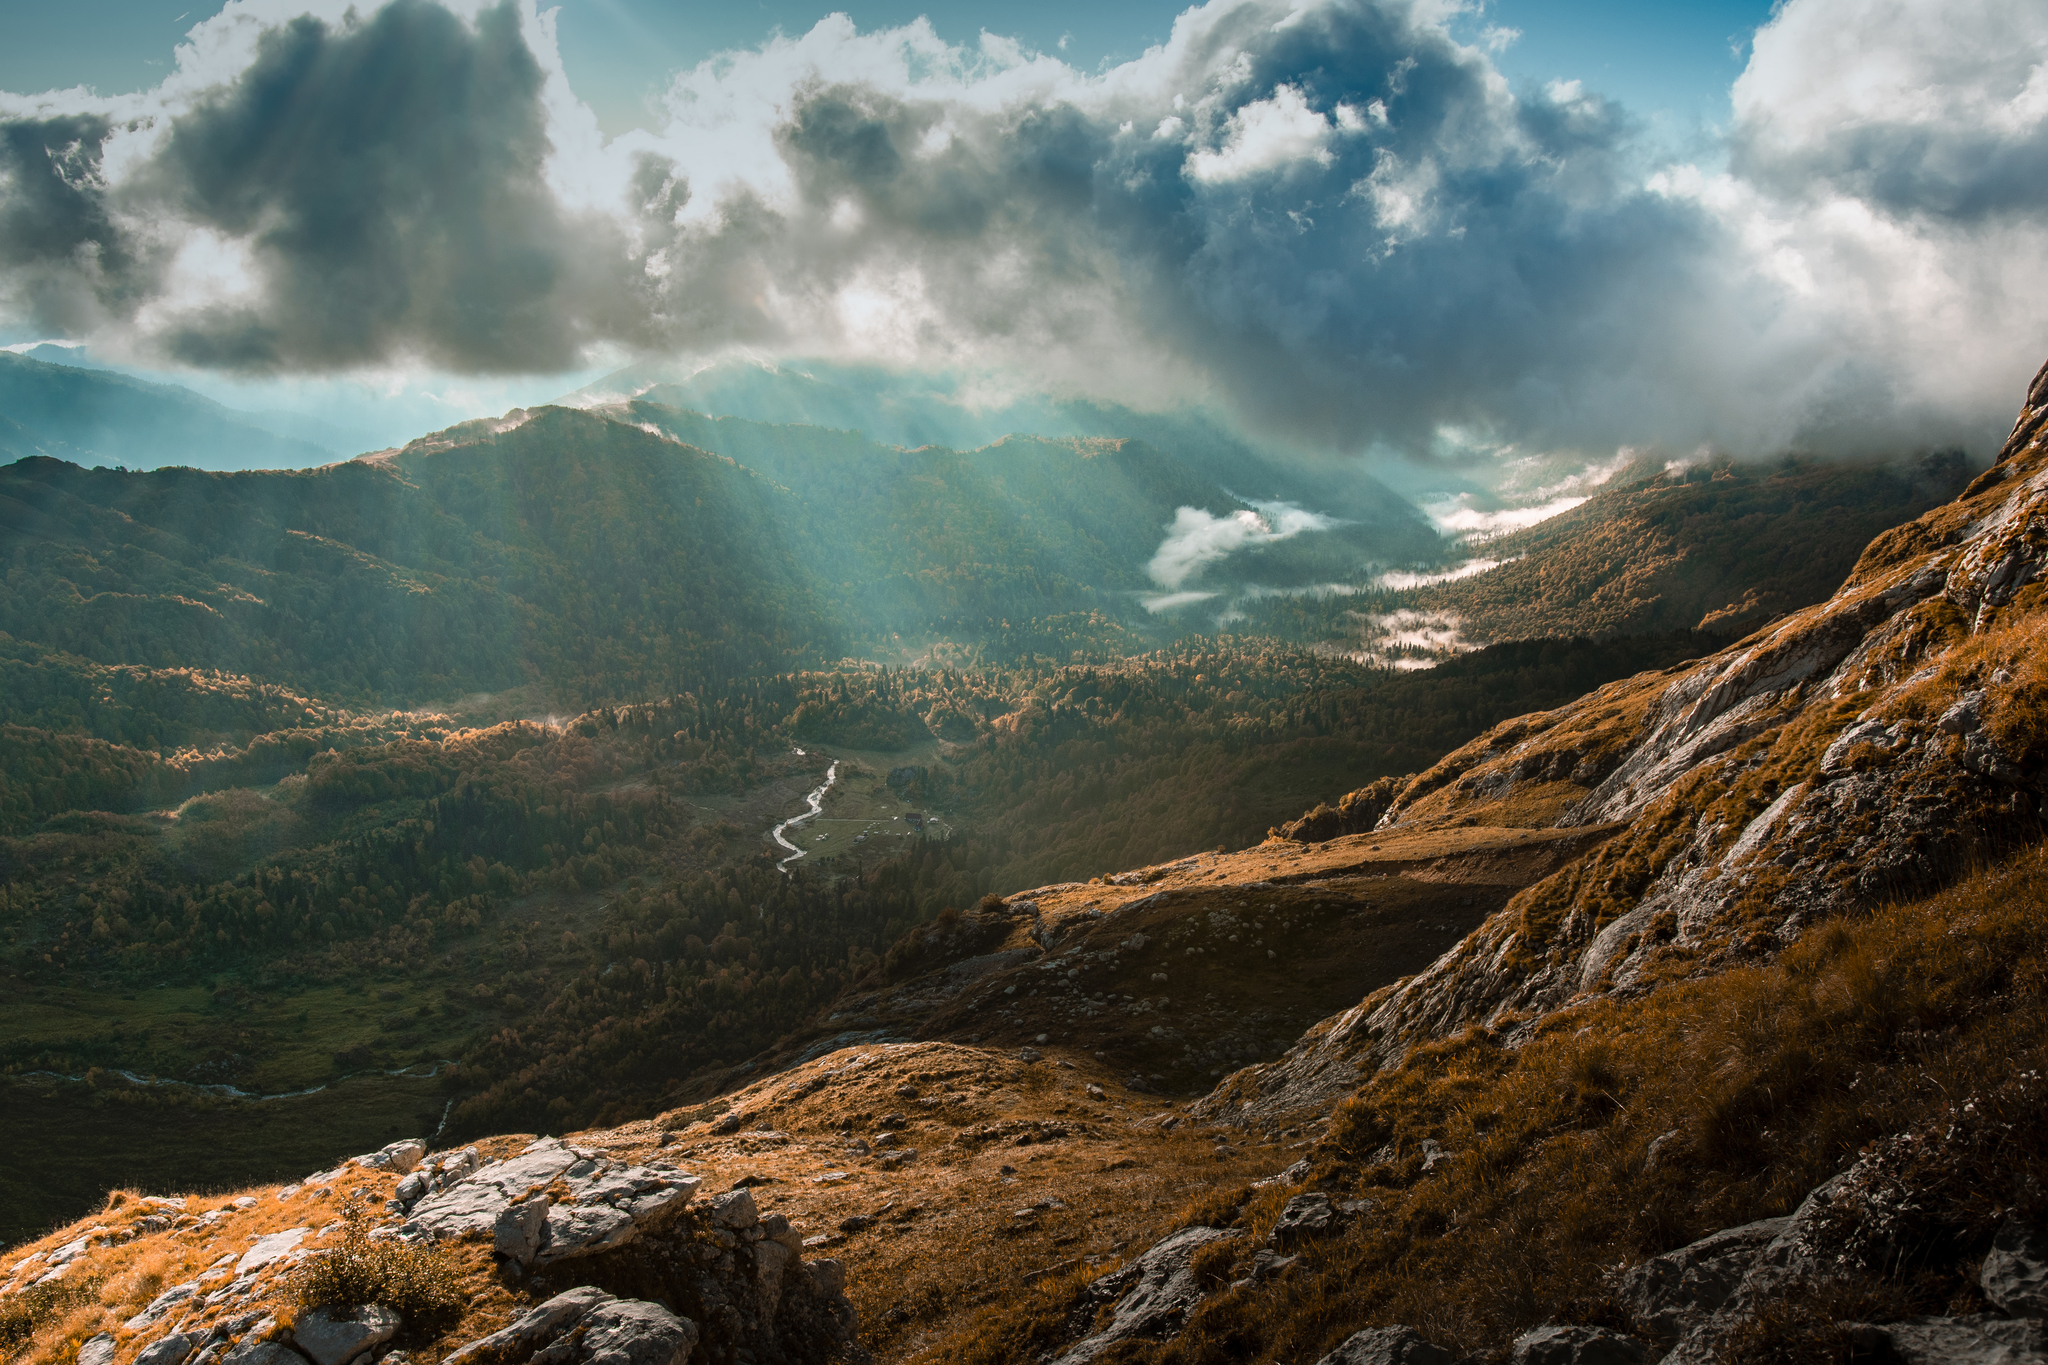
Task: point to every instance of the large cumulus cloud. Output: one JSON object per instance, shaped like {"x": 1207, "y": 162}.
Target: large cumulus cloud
{"x": 1331, "y": 217}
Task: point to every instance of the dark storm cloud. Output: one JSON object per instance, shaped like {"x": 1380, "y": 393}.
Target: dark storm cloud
{"x": 56, "y": 240}
{"x": 1333, "y": 218}
{"x": 388, "y": 177}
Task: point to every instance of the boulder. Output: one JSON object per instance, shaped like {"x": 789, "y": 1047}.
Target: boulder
{"x": 1553, "y": 1345}
{"x": 161, "y": 1305}
{"x": 533, "y": 1328}
{"x": 735, "y": 1210}
{"x": 265, "y": 1250}
{"x": 829, "y": 1276}
{"x": 1388, "y": 1346}
{"x": 335, "y": 1336}
{"x": 517, "y": 1231}
{"x": 97, "y": 1350}
{"x": 608, "y": 1205}
{"x": 572, "y": 1230}
{"x": 587, "y": 1326}
{"x": 635, "y": 1332}
{"x": 255, "y": 1352}
{"x": 2015, "y": 1275}
{"x": 1158, "y": 1289}
{"x": 1788, "y": 1257}
{"x": 173, "y": 1349}
{"x": 397, "y": 1156}
{"x": 1667, "y": 1293}
{"x": 1303, "y": 1218}
{"x": 1980, "y": 1340}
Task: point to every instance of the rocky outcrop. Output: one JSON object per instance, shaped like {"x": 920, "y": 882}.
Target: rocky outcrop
{"x": 586, "y": 1326}
{"x": 1576, "y": 1346}
{"x": 552, "y": 1203}
{"x": 1869, "y": 747}
{"x": 1152, "y": 1295}
{"x": 1692, "y": 1303}
{"x": 335, "y": 1336}
{"x": 1388, "y": 1346}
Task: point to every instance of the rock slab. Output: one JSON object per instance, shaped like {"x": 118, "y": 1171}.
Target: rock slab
{"x": 1388, "y": 1346}
{"x": 335, "y": 1336}
{"x": 587, "y": 1326}
{"x": 2015, "y": 1275}
{"x": 1669, "y": 1293}
{"x": 1552, "y": 1345}
{"x": 1157, "y": 1291}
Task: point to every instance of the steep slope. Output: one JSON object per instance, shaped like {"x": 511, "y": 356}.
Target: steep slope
{"x": 1869, "y": 748}
{"x": 1721, "y": 548}
{"x": 1755, "y": 1076}
{"x": 112, "y": 419}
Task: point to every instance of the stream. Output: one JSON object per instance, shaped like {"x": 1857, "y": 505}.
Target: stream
{"x": 817, "y": 803}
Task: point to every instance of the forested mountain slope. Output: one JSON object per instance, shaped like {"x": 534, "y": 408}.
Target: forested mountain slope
{"x": 1722, "y": 547}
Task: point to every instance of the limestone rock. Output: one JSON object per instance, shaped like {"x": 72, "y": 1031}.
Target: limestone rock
{"x": 1668, "y": 1293}
{"x": 256, "y": 1352}
{"x": 611, "y": 1204}
{"x": 1158, "y": 1302}
{"x": 518, "y": 1229}
{"x": 634, "y": 1332}
{"x": 335, "y": 1336}
{"x": 1553, "y": 1345}
{"x": 533, "y": 1328}
{"x": 587, "y": 1326}
{"x": 397, "y": 1156}
{"x": 735, "y": 1209}
{"x": 1305, "y": 1217}
{"x": 1982, "y": 1340}
{"x": 2015, "y": 1274}
{"x": 1388, "y": 1346}
{"x": 572, "y": 1230}
{"x": 97, "y": 1350}
{"x": 167, "y": 1350}
{"x": 161, "y": 1305}
{"x": 267, "y": 1250}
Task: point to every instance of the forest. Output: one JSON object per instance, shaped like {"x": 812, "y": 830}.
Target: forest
{"x": 460, "y": 762}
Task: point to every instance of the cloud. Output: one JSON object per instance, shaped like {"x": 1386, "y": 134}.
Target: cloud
{"x": 1198, "y": 539}
{"x": 1400, "y": 580}
{"x": 1329, "y": 217}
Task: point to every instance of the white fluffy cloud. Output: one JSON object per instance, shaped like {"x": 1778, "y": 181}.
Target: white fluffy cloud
{"x": 1328, "y": 216}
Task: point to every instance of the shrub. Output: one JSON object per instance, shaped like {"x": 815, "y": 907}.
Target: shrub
{"x": 417, "y": 1281}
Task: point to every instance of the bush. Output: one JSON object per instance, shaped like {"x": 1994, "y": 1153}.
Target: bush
{"x": 417, "y": 1281}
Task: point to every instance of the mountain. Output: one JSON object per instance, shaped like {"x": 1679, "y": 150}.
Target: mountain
{"x": 913, "y": 410}
{"x": 1698, "y": 1015}
{"x": 109, "y": 418}
{"x": 1718, "y": 548}
{"x": 485, "y": 565}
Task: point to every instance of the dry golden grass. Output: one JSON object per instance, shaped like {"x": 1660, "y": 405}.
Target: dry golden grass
{"x": 139, "y": 1248}
{"x": 1760, "y": 1082}
{"x": 941, "y": 1239}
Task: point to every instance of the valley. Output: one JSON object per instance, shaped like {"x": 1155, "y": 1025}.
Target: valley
{"x": 1000, "y": 970}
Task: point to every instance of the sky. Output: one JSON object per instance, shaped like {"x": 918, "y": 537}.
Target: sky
{"x": 1524, "y": 238}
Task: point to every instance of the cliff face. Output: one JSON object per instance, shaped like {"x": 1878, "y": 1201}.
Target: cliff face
{"x": 1868, "y": 748}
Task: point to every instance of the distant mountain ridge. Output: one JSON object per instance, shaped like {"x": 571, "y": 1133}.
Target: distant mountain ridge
{"x": 101, "y": 416}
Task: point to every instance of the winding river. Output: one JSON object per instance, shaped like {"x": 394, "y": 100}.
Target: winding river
{"x": 817, "y": 803}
